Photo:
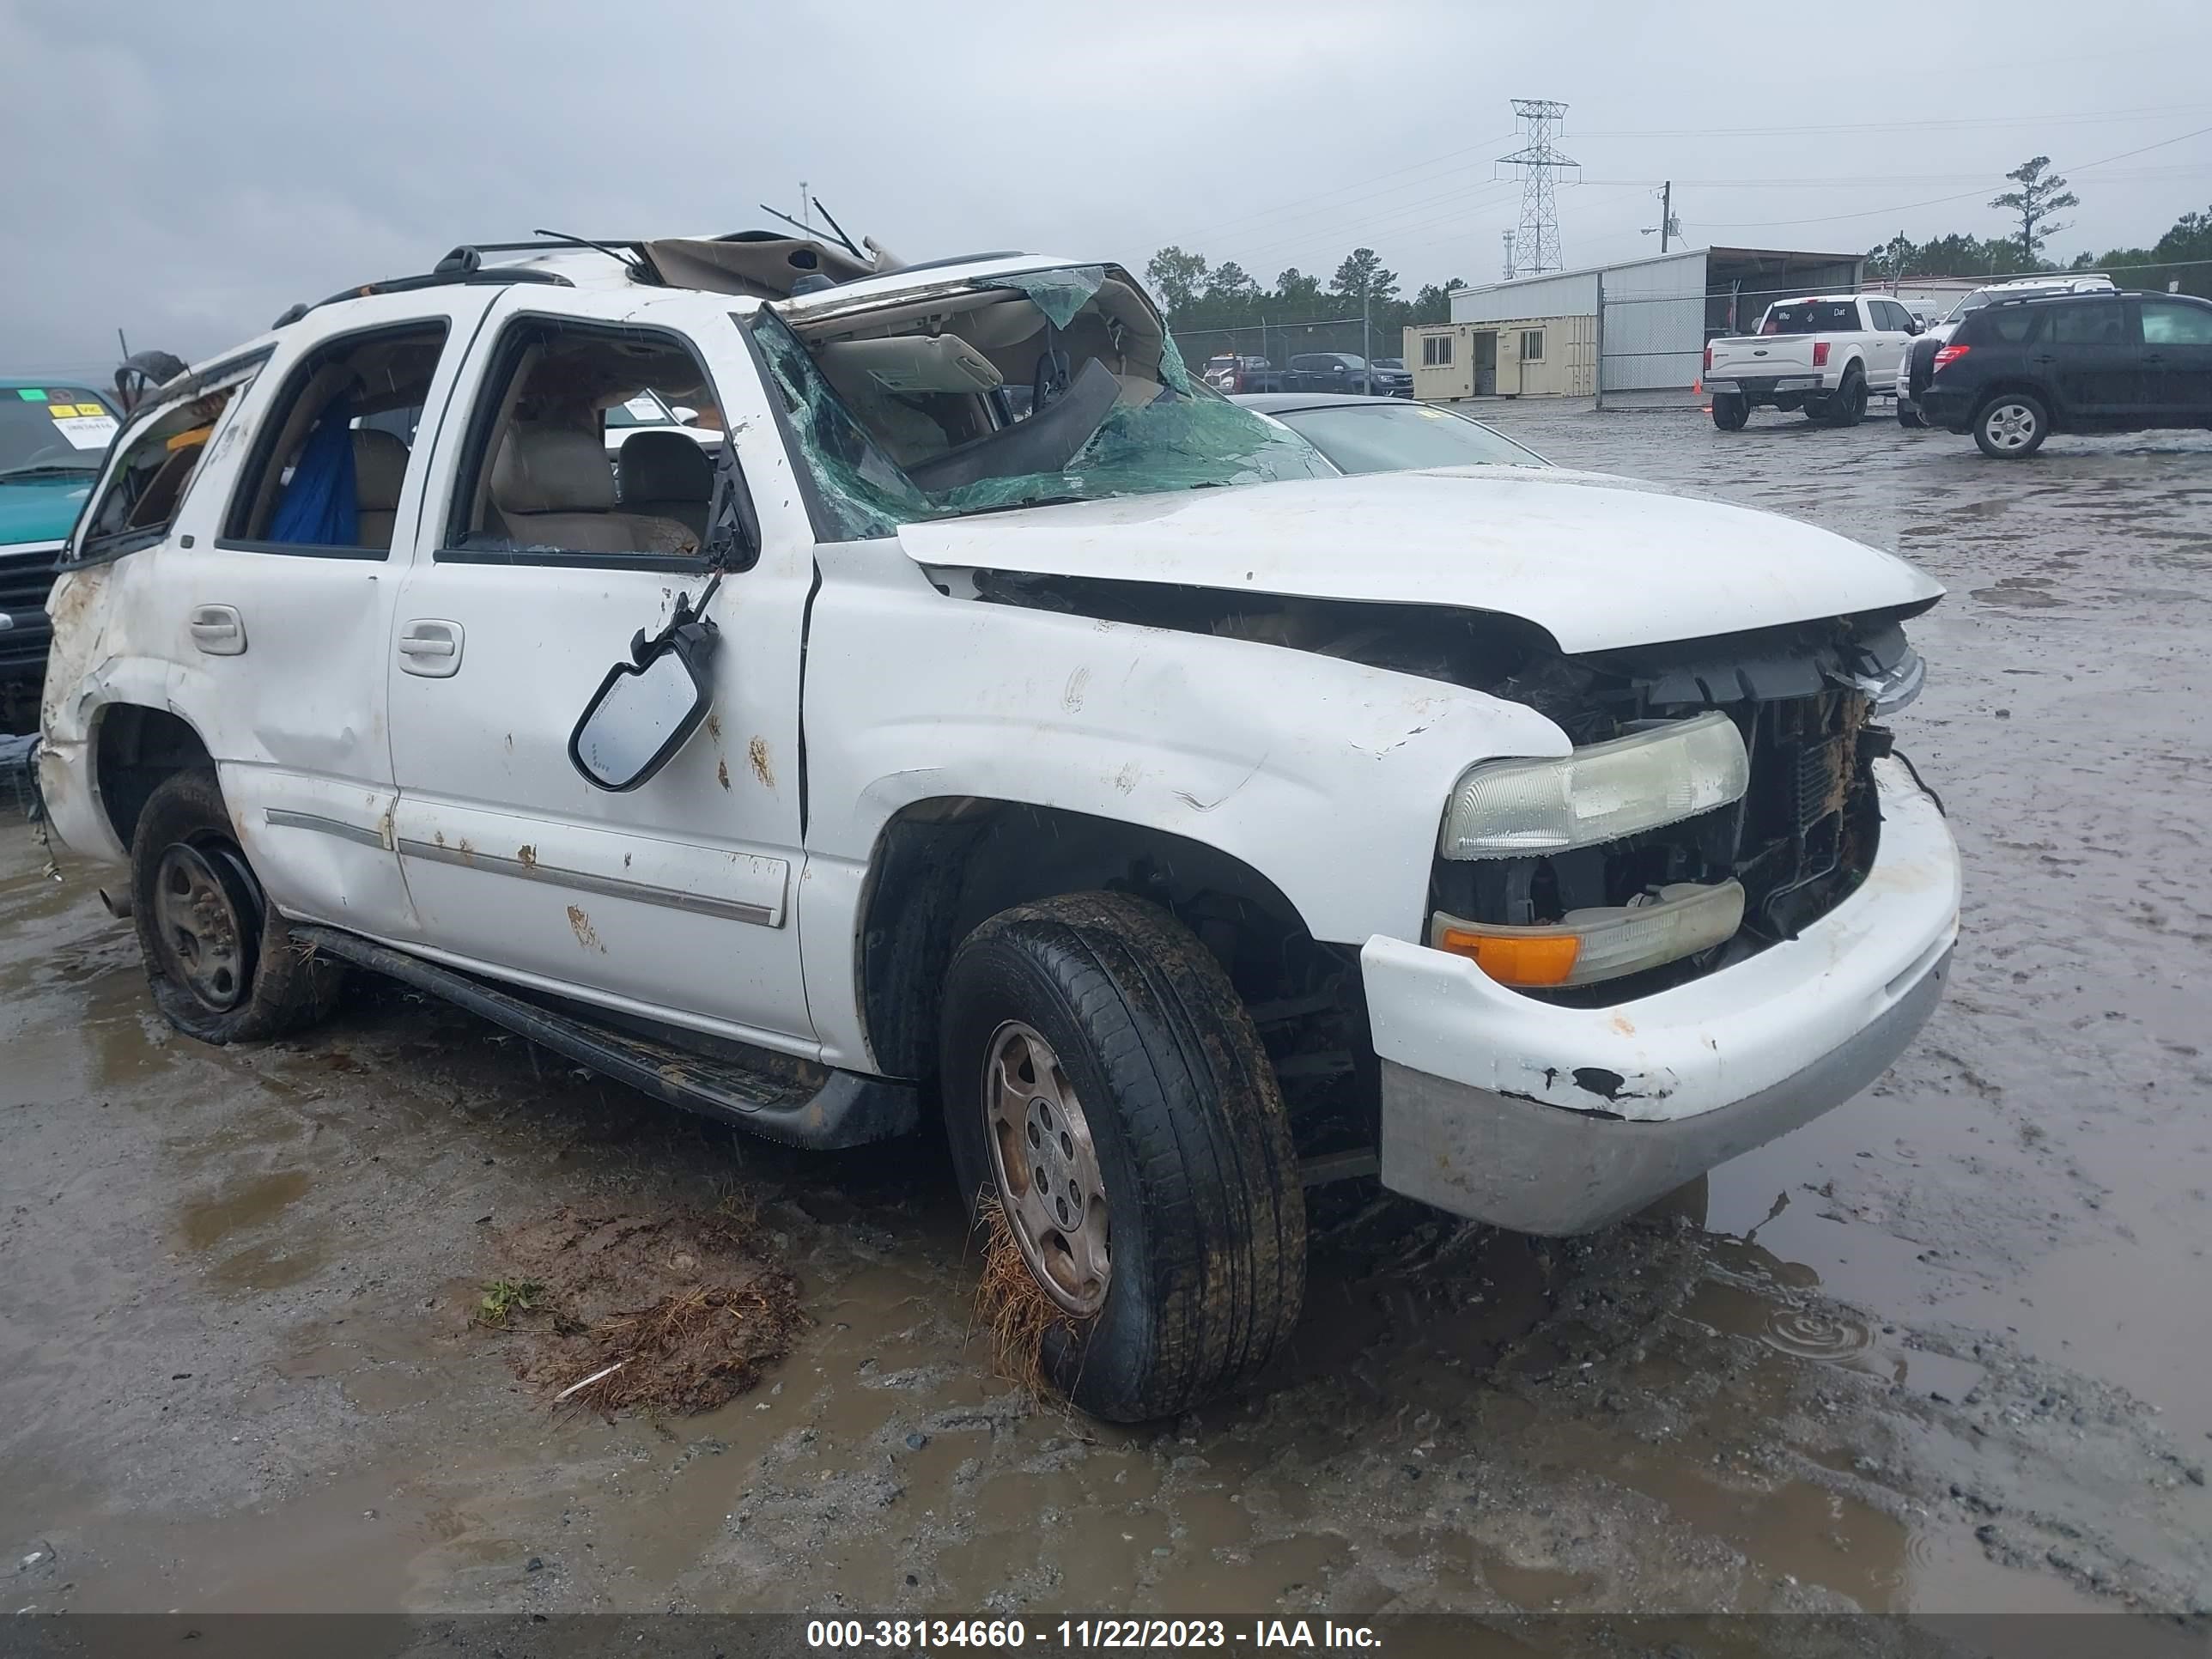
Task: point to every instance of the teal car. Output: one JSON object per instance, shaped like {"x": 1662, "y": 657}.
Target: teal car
{"x": 53, "y": 436}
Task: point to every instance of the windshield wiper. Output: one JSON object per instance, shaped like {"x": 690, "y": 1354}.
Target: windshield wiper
{"x": 1016, "y": 507}
{"x": 45, "y": 470}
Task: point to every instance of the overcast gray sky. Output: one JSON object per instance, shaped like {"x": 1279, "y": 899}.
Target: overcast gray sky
{"x": 184, "y": 171}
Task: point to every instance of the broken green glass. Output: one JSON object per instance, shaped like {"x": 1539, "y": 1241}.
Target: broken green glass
{"x": 1188, "y": 437}
{"x": 1058, "y": 294}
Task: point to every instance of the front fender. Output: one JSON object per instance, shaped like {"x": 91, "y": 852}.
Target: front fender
{"x": 1327, "y": 777}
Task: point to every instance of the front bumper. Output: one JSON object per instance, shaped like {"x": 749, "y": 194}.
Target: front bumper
{"x": 1550, "y": 1120}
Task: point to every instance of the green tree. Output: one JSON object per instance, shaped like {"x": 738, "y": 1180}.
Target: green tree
{"x": 1432, "y": 303}
{"x": 1361, "y": 279}
{"x": 1229, "y": 283}
{"x": 1296, "y": 292}
{"x": 1176, "y": 278}
{"x": 2041, "y": 193}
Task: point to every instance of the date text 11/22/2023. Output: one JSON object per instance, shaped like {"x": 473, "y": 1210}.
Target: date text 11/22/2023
{"x": 1007, "y": 1634}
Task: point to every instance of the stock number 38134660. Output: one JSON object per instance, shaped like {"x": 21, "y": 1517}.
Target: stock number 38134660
{"x": 906, "y": 1634}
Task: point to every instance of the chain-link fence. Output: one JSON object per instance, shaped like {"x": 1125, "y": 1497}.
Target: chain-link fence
{"x": 1278, "y": 343}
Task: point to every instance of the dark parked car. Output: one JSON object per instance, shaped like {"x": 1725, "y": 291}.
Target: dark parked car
{"x": 1359, "y": 435}
{"x": 1346, "y": 371}
{"x": 2017, "y": 371}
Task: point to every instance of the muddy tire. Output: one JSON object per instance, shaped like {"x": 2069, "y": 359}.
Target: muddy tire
{"x": 1730, "y": 412}
{"x": 1847, "y": 405}
{"x": 2011, "y": 426}
{"x": 1109, "y": 1006}
{"x": 221, "y": 964}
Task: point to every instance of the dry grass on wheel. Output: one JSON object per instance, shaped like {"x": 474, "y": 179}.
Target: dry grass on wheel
{"x": 1014, "y": 1307}
{"x": 678, "y": 1313}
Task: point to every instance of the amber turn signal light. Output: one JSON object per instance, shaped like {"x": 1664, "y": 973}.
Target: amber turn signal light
{"x": 1545, "y": 960}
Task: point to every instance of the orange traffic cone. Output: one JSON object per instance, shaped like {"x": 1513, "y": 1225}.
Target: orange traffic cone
{"x": 1697, "y": 390}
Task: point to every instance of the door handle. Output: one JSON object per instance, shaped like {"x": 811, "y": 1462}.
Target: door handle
{"x": 217, "y": 629}
{"x": 2154, "y": 357}
{"x": 431, "y": 648}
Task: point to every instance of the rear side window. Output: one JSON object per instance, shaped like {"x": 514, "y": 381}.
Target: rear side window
{"x": 2099, "y": 324}
{"x": 326, "y": 474}
{"x": 2169, "y": 322}
{"x": 2009, "y": 325}
{"x": 148, "y": 480}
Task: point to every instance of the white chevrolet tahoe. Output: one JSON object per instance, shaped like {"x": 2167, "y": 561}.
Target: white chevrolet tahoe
{"x": 1176, "y": 821}
{"x": 1825, "y": 354}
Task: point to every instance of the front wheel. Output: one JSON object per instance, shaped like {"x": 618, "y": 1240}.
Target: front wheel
{"x": 221, "y": 963}
{"x": 1730, "y": 412}
{"x": 2011, "y": 426}
{"x": 1105, "y": 1087}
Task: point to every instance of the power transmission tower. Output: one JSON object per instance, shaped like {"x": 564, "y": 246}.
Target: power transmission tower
{"x": 1508, "y": 256}
{"x": 1541, "y": 161}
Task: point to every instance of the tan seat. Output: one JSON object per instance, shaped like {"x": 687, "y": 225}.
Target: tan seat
{"x": 553, "y": 488}
{"x": 668, "y": 475}
{"x": 379, "y": 467}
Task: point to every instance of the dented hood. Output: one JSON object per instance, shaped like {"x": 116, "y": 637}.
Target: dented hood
{"x": 1596, "y": 561}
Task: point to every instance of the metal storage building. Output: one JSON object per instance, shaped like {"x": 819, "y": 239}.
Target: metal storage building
{"x": 1652, "y": 317}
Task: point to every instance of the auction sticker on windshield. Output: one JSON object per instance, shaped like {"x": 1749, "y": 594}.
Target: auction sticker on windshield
{"x": 87, "y": 430}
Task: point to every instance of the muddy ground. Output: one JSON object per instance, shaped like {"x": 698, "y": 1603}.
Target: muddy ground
{"x": 1947, "y": 1348}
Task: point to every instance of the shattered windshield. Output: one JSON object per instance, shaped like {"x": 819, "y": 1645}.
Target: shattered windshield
{"x": 1048, "y": 386}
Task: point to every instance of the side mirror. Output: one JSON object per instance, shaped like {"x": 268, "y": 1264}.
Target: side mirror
{"x": 645, "y": 708}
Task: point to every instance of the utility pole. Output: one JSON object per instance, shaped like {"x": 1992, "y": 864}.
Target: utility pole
{"x": 1541, "y": 161}
{"x": 805, "y": 207}
{"x": 1366, "y": 345}
{"x": 1666, "y": 214}
{"x": 1508, "y": 256}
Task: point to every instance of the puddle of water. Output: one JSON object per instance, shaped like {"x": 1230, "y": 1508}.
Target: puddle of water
{"x": 203, "y": 1223}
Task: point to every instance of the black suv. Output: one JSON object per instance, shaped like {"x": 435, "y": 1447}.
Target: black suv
{"x": 2019, "y": 370}
{"x": 1346, "y": 371}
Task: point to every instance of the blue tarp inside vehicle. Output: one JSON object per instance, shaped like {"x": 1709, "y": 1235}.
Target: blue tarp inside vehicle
{"x": 321, "y": 507}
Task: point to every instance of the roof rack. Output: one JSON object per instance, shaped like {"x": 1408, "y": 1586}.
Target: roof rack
{"x": 2061, "y": 294}
{"x": 464, "y": 266}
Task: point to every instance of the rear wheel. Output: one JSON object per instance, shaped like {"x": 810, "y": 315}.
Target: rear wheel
{"x": 1909, "y": 417}
{"x": 2011, "y": 426}
{"x": 1730, "y": 412}
{"x": 221, "y": 963}
{"x": 1847, "y": 405}
{"x": 1105, "y": 1087}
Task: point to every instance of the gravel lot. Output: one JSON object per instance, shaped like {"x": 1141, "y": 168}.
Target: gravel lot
{"x": 1948, "y": 1348}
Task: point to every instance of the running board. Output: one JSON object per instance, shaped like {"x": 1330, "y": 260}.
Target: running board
{"x": 847, "y": 1109}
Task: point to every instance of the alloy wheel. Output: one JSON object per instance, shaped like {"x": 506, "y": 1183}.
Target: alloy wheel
{"x": 2009, "y": 425}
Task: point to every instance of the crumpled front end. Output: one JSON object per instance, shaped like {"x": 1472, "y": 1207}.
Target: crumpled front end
{"x": 1551, "y": 1118}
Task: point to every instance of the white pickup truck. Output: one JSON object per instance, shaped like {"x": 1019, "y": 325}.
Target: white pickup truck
{"x": 1118, "y": 790}
{"x": 1825, "y": 354}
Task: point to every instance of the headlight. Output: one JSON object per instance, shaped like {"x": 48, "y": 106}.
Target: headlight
{"x": 1528, "y": 808}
